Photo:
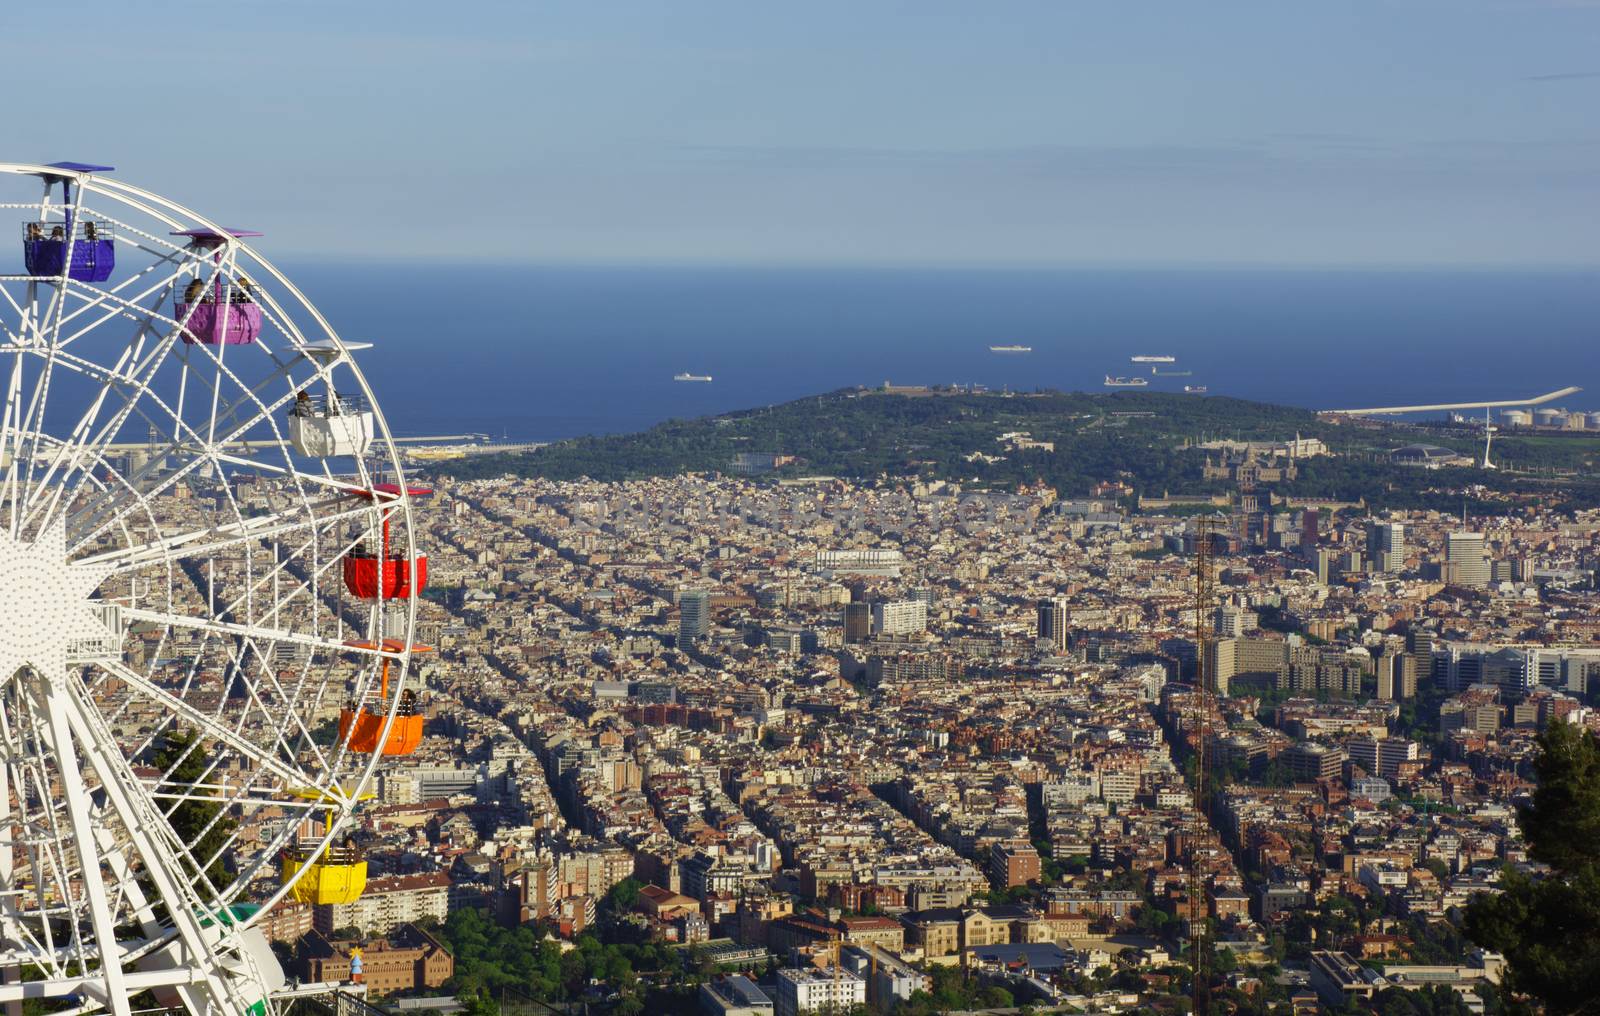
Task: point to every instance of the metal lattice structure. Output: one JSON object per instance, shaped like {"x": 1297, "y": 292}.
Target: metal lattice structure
{"x": 176, "y": 515}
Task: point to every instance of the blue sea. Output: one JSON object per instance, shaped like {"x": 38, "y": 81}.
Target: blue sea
{"x": 542, "y": 353}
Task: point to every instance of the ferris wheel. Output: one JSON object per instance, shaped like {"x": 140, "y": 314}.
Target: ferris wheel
{"x": 209, "y": 579}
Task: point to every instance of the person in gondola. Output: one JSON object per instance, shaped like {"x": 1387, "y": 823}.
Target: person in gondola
{"x": 241, "y": 291}
{"x": 34, "y": 232}
{"x": 408, "y": 703}
{"x": 89, "y": 233}
{"x": 302, "y": 403}
{"x": 194, "y": 291}
{"x": 58, "y": 233}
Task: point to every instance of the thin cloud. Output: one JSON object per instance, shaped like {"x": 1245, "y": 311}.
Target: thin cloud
{"x": 1571, "y": 76}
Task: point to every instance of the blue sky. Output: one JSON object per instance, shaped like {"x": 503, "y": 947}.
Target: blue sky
{"x": 1355, "y": 132}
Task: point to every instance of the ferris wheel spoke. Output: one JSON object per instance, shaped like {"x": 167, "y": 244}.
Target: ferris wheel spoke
{"x": 113, "y": 304}
{"x": 48, "y": 334}
{"x": 10, "y": 442}
{"x": 210, "y": 726}
{"x": 23, "y": 335}
{"x": 239, "y": 803}
{"x": 129, "y": 369}
{"x": 30, "y": 435}
{"x": 199, "y": 543}
{"x": 142, "y": 392}
{"x": 286, "y": 722}
{"x": 230, "y": 630}
{"x": 204, "y": 452}
{"x": 262, "y": 413}
{"x": 309, "y": 583}
{"x": 72, "y": 454}
{"x": 138, "y": 379}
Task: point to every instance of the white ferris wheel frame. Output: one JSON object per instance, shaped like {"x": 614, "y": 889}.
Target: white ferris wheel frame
{"x": 115, "y": 826}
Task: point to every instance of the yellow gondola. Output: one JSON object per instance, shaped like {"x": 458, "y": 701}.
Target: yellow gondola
{"x": 338, "y": 876}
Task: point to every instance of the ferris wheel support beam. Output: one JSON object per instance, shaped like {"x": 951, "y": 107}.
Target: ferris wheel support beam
{"x": 117, "y": 778}
{"x": 77, "y": 797}
{"x": 9, "y": 973}
{"x": 231, "y": 629}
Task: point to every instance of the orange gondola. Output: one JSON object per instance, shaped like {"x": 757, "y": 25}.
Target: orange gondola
{"x": 362, "y": 728}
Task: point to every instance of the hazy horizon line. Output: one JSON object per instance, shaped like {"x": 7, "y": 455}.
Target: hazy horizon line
{"x": 324, "y": 259}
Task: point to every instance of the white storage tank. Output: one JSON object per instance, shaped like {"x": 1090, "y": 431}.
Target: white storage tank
{"x": 1517, "y": 418}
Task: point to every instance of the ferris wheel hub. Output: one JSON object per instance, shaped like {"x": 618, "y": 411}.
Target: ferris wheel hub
{"x": 47, "y": 605}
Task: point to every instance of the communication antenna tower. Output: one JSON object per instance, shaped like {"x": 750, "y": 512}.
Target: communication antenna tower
{"x": 1199, "y": 940}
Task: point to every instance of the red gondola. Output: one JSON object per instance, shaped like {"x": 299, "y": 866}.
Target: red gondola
{"x": 385, "y": 577}
{"x": 388, "y": 579}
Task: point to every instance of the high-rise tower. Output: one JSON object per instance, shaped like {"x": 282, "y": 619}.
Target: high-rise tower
{"x": 1053, "y": 615}
{"x": 694, "y": 615}
{"x": 1386, "y": 546}
{"x": 1465, "y": 563}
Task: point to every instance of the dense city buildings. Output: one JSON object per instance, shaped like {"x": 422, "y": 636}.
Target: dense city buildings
{"x": 843, "y": 729}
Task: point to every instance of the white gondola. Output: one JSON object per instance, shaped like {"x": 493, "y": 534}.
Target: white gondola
{"x": 322, "y": 426}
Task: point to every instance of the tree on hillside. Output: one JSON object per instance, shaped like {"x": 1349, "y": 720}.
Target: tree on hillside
{"x": 1546, "y": 926}
{"x": 195, "y": 820}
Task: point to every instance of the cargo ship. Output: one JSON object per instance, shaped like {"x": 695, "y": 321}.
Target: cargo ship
{"x": 1010, "y": 349}
{"x": 1154, "y": 359}
{"x": 1171, "y": 373}
{"x": 1195, "y": 389}
{"x": 686, "y": 376}
{"x": 1126, "y": 382}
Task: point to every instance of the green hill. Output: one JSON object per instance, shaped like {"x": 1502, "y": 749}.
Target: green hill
{"x": 1143, "y": 437}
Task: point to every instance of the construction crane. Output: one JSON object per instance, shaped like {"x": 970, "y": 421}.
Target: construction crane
{"x": 1199, "y": 941}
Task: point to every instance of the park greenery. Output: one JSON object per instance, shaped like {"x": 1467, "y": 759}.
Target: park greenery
{"x": 1146, "y": 438}
{"x": 494, "y": 962}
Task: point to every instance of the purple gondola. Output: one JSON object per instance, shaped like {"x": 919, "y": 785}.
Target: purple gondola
{"x": 212, "y": 323}
{"x": 83, "y": 250}
{"x": 44, "y": 250}
{"x": 222, "y": 313}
